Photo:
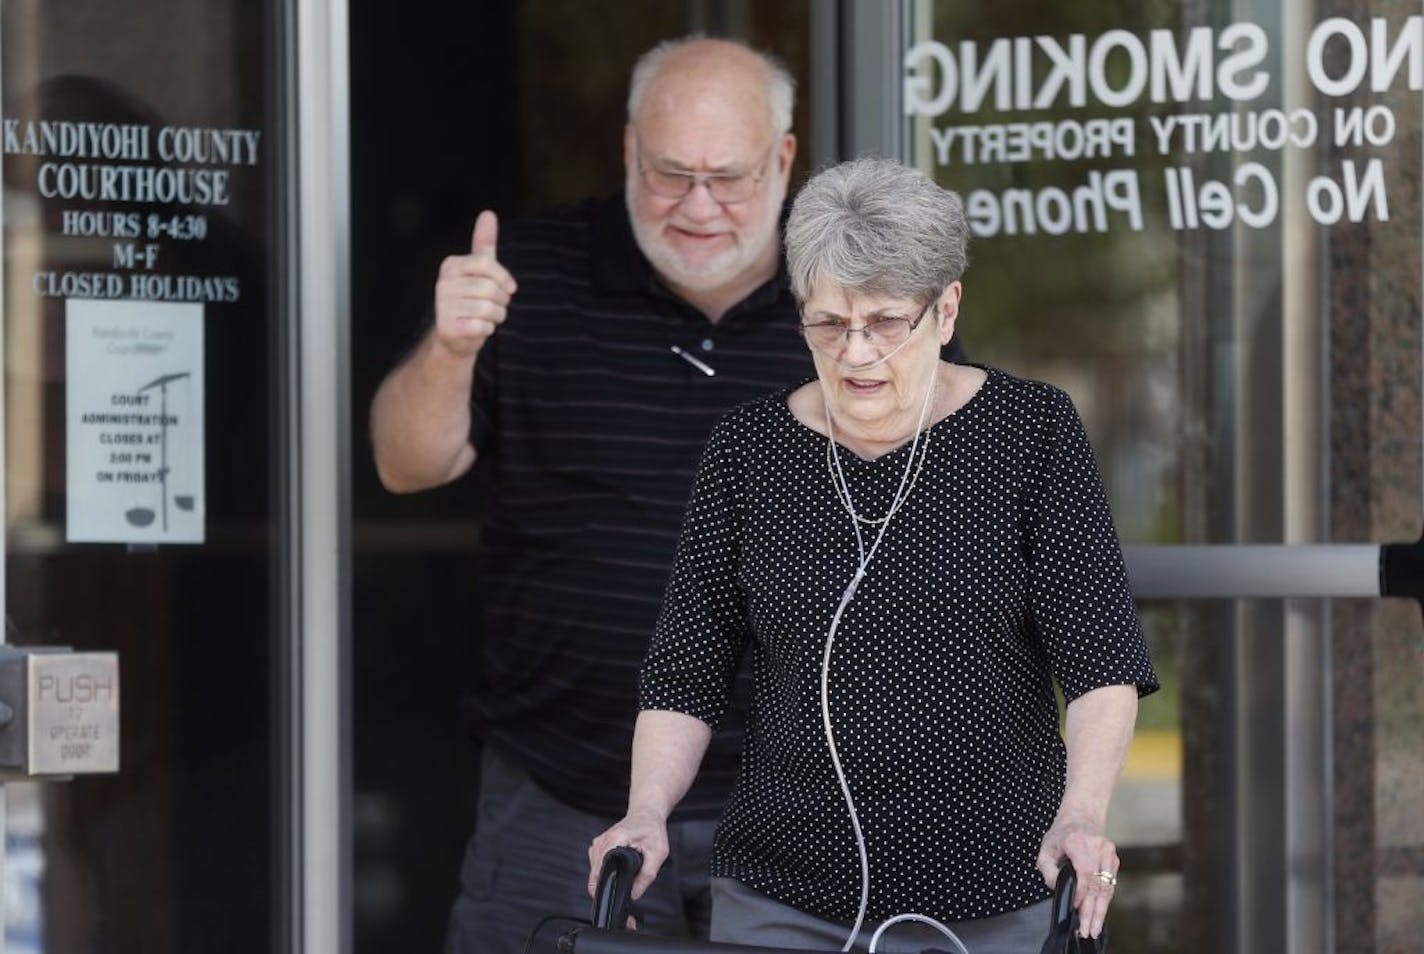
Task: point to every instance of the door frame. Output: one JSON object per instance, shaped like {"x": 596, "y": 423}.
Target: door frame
{"x": 318, "y": 495}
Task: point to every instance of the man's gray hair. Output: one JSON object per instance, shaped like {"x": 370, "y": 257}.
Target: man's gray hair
{"x": 876, "y": 226}
{"x": 780, "y": 84}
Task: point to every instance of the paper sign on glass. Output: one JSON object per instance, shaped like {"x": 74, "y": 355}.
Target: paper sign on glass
{"x": 134, "y": 410}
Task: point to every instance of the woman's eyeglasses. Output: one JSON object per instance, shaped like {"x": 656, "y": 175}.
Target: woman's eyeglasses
{"x": 881, "y": 331}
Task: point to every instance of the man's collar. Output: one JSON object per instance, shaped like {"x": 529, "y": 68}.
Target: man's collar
{"x": 619, "y": 265}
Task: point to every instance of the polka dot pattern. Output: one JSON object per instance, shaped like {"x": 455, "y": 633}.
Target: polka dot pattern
{"x": 1001, "y": 573}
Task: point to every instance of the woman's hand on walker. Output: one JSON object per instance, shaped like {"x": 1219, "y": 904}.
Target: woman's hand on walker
{"x": 643, "y": 830}
{"x": 1095, "y": 862}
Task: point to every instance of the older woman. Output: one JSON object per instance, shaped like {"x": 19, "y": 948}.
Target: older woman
{"x": 913, "y": 551}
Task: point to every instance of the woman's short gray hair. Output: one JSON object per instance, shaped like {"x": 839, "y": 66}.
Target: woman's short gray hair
{"x": 876, "y": 226}
{"x": 780, "y": 84}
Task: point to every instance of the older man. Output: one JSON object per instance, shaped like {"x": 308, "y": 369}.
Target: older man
{"x": 583, "y": 356}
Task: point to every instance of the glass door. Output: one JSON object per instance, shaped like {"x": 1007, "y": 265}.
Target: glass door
{"x": 146, "y": 464}
{"x": 1203, "y": 221}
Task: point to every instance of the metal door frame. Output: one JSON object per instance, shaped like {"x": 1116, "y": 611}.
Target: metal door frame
{"x": 318, "y": 219}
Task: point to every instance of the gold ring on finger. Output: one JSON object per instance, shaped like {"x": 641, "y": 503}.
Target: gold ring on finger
{"x": 1107, "y": 878}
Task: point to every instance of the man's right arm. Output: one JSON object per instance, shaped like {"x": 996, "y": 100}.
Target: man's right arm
{"x": 420, "y": 417}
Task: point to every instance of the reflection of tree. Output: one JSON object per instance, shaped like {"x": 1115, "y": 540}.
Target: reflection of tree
{"x": 1094, "y": 312}
{"x": 1118, "y": 319}
{"x": 1184, "y": 350}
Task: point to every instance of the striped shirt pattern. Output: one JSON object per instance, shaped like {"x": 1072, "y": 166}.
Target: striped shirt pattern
{"x": 593, "y": 429}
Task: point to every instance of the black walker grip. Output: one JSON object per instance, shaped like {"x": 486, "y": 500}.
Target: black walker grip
{"x": 1063, "y": 891}
{"x": 615, "y": 887}
{"x": 1063, "y": 926}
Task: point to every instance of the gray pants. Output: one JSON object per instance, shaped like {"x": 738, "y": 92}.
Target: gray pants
{"x": 528, "y": 859}
{"x": 743, "y": 916}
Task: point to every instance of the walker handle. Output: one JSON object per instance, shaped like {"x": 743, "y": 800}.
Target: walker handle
{"x": 615, "y": 887}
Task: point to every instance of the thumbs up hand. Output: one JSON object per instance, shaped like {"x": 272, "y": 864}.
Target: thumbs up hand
{"x": 472, "y": 292}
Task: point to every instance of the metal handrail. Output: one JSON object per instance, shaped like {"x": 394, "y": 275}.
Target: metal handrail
{"x": 1276, "y": 571}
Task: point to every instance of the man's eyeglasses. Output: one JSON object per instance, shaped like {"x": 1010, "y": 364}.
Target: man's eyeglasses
{"x": 728, "y": 188}
{"x": 881, "y": 331}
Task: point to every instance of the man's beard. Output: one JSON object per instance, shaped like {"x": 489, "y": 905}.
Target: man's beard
{"x": 710, "y": 273}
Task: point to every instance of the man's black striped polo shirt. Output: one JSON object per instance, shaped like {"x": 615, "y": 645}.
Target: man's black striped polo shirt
{"x": 593, "y": 427}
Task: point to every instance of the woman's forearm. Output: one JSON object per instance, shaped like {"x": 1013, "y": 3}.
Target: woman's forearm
{"x": 1097, "y": 733}
{"x": 667, "y": 751}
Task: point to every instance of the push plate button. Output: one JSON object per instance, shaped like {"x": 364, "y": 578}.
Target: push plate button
{"x": 59, "y": 712}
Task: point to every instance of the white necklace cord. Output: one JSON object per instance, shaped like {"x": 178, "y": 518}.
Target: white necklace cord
{"x": 923, "y": 919}
{"x": 895, "y": 504}
{"x": 849, "y": 593}
{"x": 838, "y": 477}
